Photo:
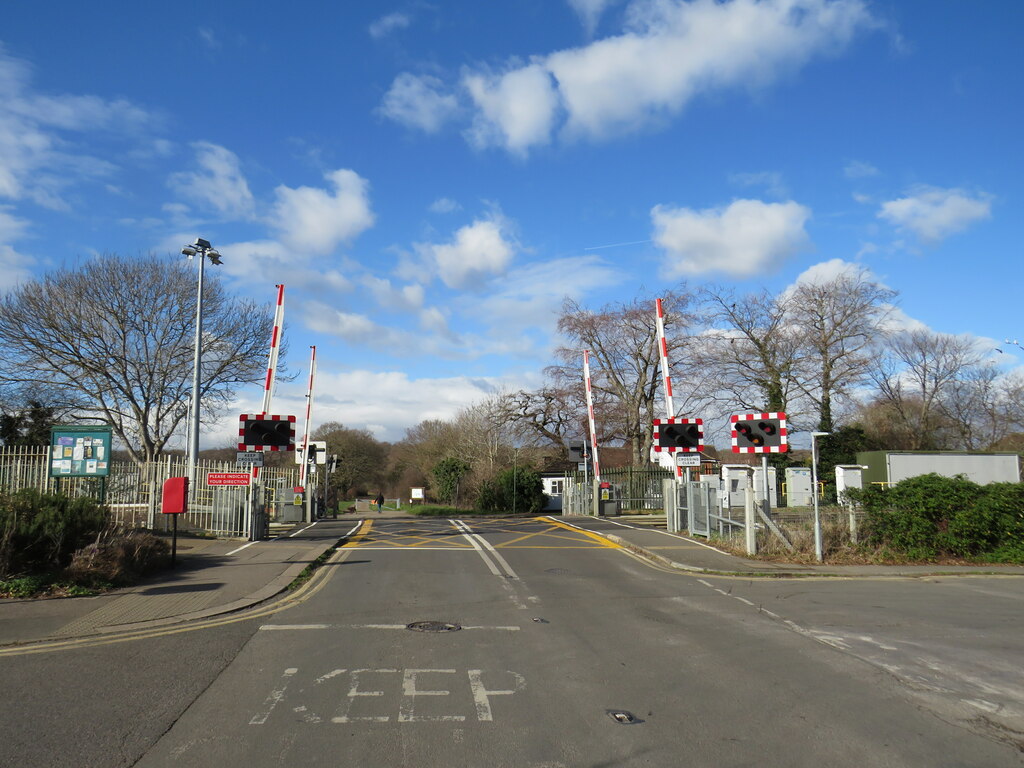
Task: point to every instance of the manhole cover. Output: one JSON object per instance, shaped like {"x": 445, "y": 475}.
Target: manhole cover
{"x": 433, "y": 626}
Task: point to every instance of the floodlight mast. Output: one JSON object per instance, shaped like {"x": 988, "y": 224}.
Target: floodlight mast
{"x": 203, "y": 250}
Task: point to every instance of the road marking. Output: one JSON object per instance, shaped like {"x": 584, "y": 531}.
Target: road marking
{"x": 497, "y": 556}
{"x": 235, "y": 551}
{"x": 406, "y": 711}
{"x": 296, "y": 533}
{"x": 604, "y": 541}
{"x": 274, "y": 698}
{"x": 481, "y": 696}
{"x": 304, "y": 627}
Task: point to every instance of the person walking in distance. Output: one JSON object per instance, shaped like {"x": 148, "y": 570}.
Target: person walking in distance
{"x": 379, "y": 501}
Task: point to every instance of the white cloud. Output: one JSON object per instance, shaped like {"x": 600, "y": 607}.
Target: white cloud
{"x": 14, "y": 268}
{"x": 476, "y": 252}
{"x": 419, "y": 101}
{"x": 387, "y": 296}
{"x": 746, "y": 238}
{"x": 38, "y": 155}
{"x": 516, "y": 109}
{"x": 770, "y": 181}
{"x": 218, "y": 184}
{"x": 856, "y": 169}
{"x": 590, "y": 12}
{"x": 385, "y": 25}
{"x": 826, "y": 271}
{"x": 209, "y": 39}
{"x": 531, "y": 296}
{"x": 352, "y": 327}
{"x": 933, "y": 214}
{"x": 670, "y": 52}
{"x": 444, "y": 205}
{"x": 11, "y": 227}
{"x": 315, "y": 221}
{"x": 387, "y": 402}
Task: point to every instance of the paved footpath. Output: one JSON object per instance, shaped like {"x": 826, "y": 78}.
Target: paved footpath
{"x": 690, "y": 554}
{"x": 216, "y": 576}
{"x": 212, "y": 576}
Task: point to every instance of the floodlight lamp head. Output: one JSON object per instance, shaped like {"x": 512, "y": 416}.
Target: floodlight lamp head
{"x": 203, "y": 244}
{"x": 214, "y": 257}
{"x": 820, "y": 434}
{"x": 189, "y": 251}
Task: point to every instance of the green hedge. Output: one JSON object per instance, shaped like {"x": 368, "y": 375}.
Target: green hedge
{"x": 931, "y": 516}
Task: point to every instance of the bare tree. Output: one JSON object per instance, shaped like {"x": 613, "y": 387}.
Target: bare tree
{"x": 751, "y": 350}
{"x": 918, "y": 377}
{"x": 839, "y": 324}
{"x": 623, "y": 343}
{"x": 116, "y": 336}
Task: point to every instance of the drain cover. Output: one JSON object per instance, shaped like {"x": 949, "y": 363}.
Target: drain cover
{"x": 623, "y": 717}
{"x": 433, "y": 626}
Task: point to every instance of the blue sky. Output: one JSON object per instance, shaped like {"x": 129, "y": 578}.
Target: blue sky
{"x": 429, "y": 179}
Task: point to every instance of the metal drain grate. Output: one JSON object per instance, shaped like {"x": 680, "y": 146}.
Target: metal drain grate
{"x": 433, "y": 626}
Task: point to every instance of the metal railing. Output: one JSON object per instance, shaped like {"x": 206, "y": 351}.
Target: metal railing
{"x": 133, "y": 492}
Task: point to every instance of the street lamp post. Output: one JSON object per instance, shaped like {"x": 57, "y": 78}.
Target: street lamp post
{"x": 203, "y": 250}
{"x": 814, "y": 492}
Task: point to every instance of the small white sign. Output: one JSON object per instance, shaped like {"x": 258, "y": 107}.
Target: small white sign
{"x": 687, "y": 459}
{"x": 249, "y": 458}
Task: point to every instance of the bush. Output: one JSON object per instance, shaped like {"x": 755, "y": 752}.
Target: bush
{"x": 41, "y": 531}
{"x": 119, "y": 558}
{"x": 514, "y": 490}
{"x": 931, "y": 515}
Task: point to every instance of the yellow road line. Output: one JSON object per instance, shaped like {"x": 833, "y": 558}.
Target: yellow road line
{"x": 608, "y": 543}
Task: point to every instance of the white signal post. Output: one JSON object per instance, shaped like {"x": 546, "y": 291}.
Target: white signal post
{"x": 593, "y": 428}
{"x": 670, "y": 409}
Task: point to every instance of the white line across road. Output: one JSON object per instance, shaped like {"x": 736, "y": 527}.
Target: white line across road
{"x": 478, "y": 542}
{"x": 306, "y": 627}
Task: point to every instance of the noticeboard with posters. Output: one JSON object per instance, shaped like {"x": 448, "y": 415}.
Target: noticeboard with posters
{"x": 80, "y": 451}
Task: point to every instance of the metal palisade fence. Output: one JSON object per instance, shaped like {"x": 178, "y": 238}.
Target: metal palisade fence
{"x": 133, "y": 492}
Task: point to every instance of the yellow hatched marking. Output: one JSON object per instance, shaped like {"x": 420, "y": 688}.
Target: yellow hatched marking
{"x": 589, "y": 534}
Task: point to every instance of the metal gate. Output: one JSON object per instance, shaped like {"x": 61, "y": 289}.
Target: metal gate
{"x": 701, "y": 500}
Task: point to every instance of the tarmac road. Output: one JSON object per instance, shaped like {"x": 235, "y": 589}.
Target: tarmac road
{"x": 542, "y": 642}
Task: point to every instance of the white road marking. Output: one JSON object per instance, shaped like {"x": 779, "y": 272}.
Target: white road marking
{"x": 354, "y": 692}
{"x": 461, "y": 527}
{"x": 303, "y": 627}
{"x": 275, "y": 696}
{"x": 296, "y": 533}
{"x": 373, "y": 699}
{"x": 481, "y": 696}
{"x": 236, "y": 551}
{"x": 406, "y": 711}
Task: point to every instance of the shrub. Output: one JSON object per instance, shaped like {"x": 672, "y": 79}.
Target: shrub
{"x": 519, "y": 490}
{"x": 924, "y": 517}
{"x": 119, "y": 557}
{"x": 41, "y": 531}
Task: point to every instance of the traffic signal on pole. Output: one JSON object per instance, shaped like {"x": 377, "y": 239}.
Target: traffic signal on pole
{"x": 578, "y": 452}
{"x": 260, "y": 432}
{"x": 684, "y": 435}
{"x": 759, "y": 433}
